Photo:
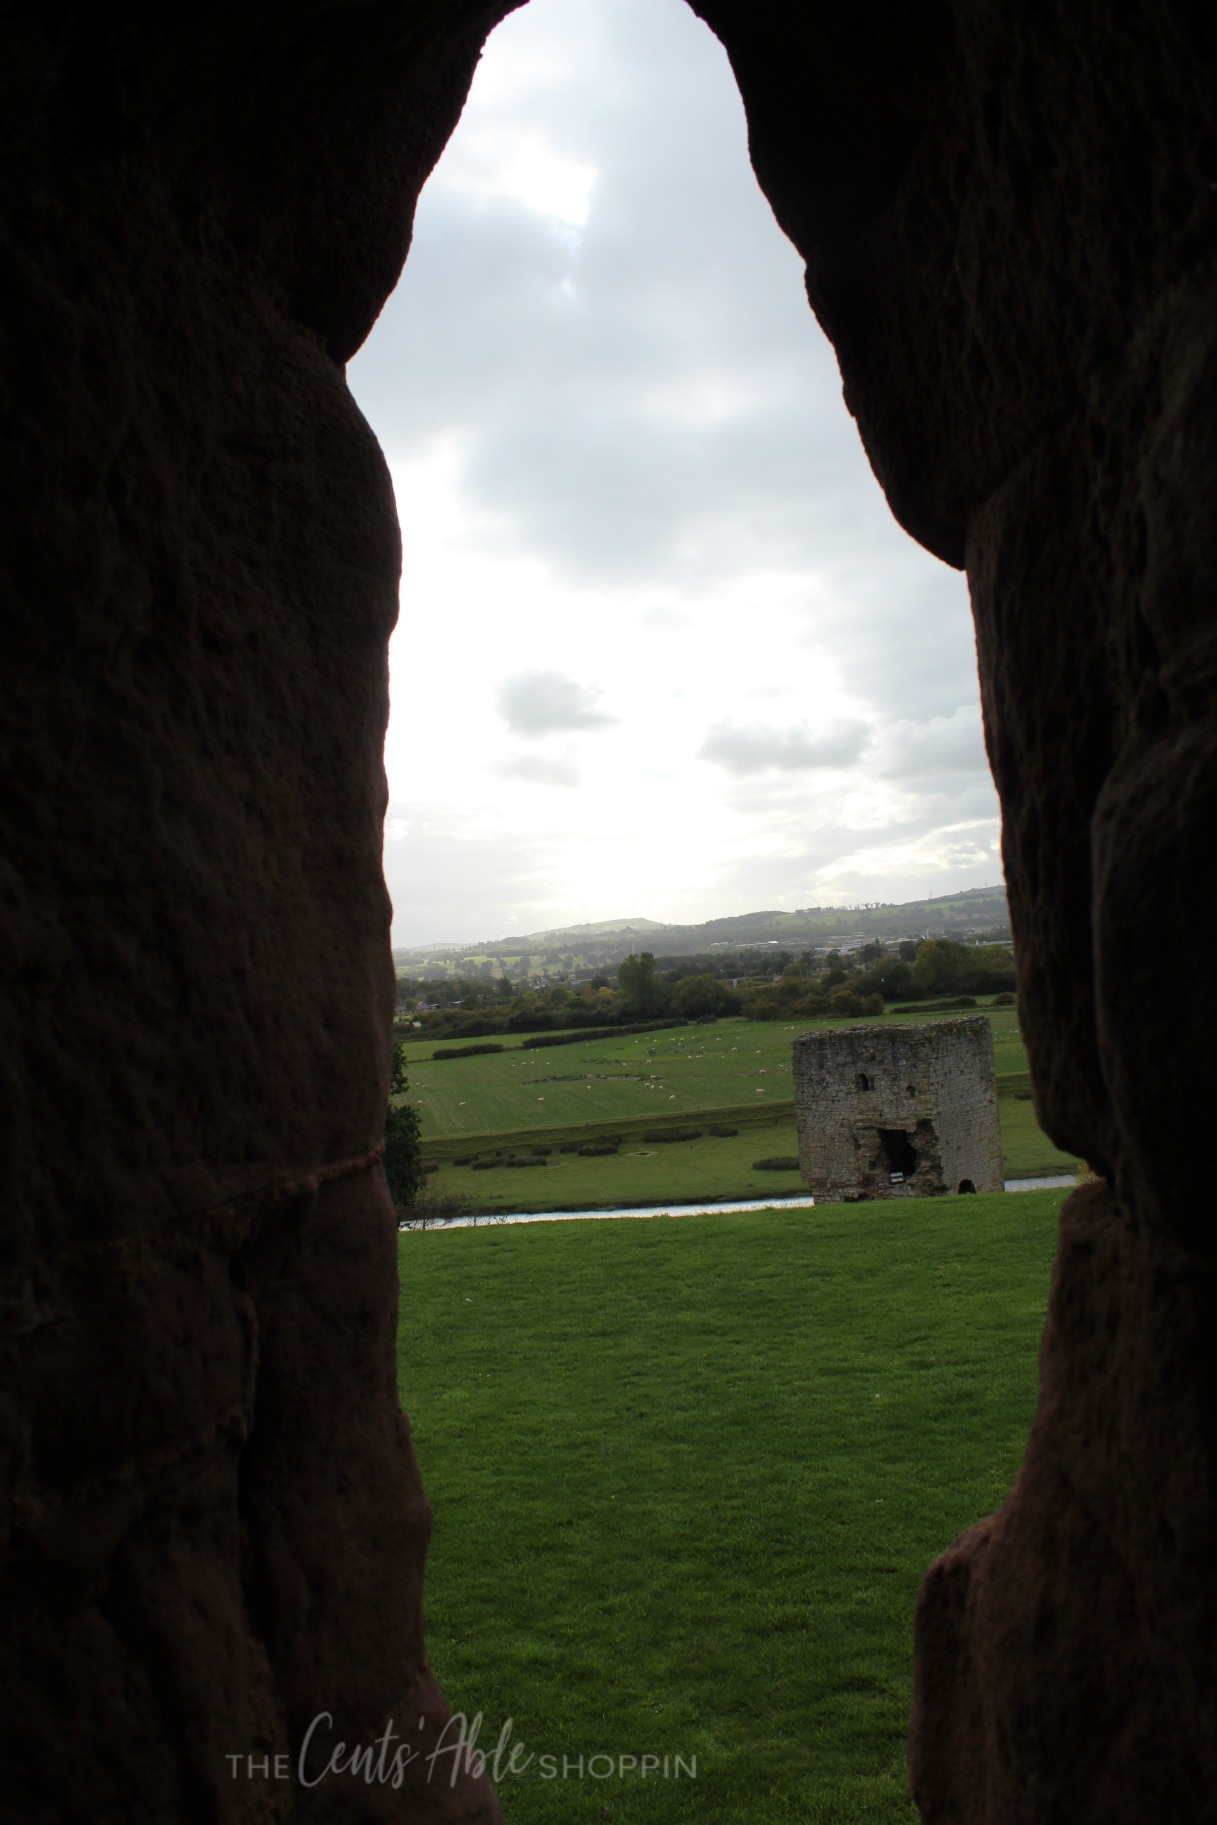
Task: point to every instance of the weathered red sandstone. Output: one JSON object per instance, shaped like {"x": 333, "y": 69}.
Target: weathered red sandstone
{"x": 214, "y": 1523}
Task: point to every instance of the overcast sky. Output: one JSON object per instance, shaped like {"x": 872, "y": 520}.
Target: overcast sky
{"x": 663, "y": 651}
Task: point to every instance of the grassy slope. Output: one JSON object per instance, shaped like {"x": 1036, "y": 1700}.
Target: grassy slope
{"x": 734, "y": 1071}
{"x": 604, "y": 1078}
{"x": 976, "y": 908}
{"x": 669, "y": 1172}
{"x": 1026, "y": 1149}
{"x": 688, "y": 1474}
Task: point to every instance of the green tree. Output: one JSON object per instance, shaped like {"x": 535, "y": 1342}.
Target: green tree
{"x": 403, "y": 1158}
{"x": 696, "y": 995}
{"x": 941, "y": 967}
{"x": 834, "y": 972}
{"x": 763, "y": 1003}
{"x": 992, "y": 968}
{"x": 888, "y": 977}
{"x": 643, "y": 992}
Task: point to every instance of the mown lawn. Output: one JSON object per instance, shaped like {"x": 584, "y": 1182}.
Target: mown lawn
{"x": 688, "y": 1473}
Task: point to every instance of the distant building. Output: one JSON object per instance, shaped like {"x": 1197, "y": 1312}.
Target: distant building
{"x": 898, "y": 1111}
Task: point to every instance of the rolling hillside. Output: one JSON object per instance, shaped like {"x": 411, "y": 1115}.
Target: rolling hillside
{"x": 981, "y": 910}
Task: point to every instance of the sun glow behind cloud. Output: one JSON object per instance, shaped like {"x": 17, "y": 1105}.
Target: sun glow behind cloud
{"x": 522, "y": 167}
{"x": 662, "y": 649}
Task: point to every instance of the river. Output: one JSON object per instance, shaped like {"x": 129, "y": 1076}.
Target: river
{"x": 1054, "y": 1182}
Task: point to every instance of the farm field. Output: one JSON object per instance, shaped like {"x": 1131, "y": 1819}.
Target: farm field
{"x": 687, "y": 1475}
{"x": 640, "y": 1173}
{"x": 735, "y": 1073}
{"x": 607, "y": 1076}
{"x": 602, "y": 1077}
{"x": 1026, "y": 1150}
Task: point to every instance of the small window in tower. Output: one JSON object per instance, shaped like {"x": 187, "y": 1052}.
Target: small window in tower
{"x": 862, "y": 1082}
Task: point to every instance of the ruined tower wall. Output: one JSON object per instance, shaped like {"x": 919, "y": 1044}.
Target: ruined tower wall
{"x": 932, "y": 1083}
{"x": 963, "y": 1087}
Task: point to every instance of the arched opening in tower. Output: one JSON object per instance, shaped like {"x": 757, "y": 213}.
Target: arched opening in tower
{"x": 897, "y": 1152}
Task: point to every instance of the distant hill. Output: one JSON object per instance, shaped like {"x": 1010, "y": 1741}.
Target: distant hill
{"x": 604, "y": 928}
{"x": 494, "y": 947}
{"x": 602, "y": 945}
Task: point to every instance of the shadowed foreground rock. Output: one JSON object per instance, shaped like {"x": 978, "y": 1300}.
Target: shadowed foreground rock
{"x": 1050, "y": 1681}
{"x": 215, "y": 1528}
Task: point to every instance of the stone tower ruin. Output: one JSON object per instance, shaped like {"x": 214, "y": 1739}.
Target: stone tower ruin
{"x": 898, "y": 1111}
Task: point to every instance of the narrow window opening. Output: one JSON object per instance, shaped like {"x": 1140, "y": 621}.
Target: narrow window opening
{"x": 632, "y": 510}
{"x": 575, "y": 584}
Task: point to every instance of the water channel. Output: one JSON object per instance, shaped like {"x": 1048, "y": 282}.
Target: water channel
{"x": 1053, "y": 1182}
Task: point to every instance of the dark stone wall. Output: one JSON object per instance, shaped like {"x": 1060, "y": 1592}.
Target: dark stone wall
{"x": 214, "y": 1525}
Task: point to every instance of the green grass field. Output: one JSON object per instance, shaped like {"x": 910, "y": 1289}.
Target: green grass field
{"x": 603, "y": 1077}
{"x": 640, "y": 1173}
{"x": 735, "y": 1073}
{"x": 687, "y": 1475}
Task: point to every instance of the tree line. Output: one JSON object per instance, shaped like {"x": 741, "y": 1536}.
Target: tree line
{"x": 772, "y": 984}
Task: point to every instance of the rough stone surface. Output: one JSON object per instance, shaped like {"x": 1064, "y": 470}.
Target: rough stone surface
{"x": 213, "y": 1524}
{"x": 898, "y": 1111}
{"x": 212, "y": 1521}
{"x": 1020, "y": 1711}
{"x": 1009, "y": 217}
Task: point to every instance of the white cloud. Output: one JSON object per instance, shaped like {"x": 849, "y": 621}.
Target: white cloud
{"x": 941, "y": 745}
{"x": 543, "y": 703}
{"x": 757, "y": 748}
{"x": 540, "y": 178}
{"x": 971, "y": 849}
{"x": 541, "y": 769}
{"x": 634, "y": 507}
